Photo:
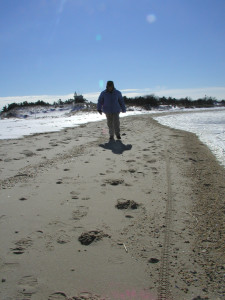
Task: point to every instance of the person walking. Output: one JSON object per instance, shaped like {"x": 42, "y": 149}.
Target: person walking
{"x": 111, "y": 103}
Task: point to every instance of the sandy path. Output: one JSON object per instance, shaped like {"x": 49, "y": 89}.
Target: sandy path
{"x": 57, "y": 186}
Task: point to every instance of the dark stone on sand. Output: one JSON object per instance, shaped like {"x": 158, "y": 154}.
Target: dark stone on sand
{"x": 23, "y": 199}
{"x": 87, "y": 238}
{"x": 126, "y": 204}
{"x": 153, "y": 260}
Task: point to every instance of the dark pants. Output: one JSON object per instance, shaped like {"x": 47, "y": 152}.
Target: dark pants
{"x": 113, "y": 123}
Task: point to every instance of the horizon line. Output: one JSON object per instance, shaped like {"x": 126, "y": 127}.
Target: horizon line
{"x": 192, "y": 93}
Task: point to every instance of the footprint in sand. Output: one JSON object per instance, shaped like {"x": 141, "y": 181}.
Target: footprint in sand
{"x": 114, "y": 181}
{"x": 63, "y": 239}
{"x": 81, "y": 296}
{"x": 109, "y": 171}
{"x": 74, "y": 195}
{"x": 129, "y": 171}
{"x": 27, "y": 153}
{"x": 27, "y": 287}
{"x": 59, "y": 181}
{"x": 58, "y": 296}
{"x": 85, "y": 198}
{"x": 89, "y": 296}
{"x": 116, "y": 260}
{"x": 154, "y": 170}
{"x": 60, "y": 237}
{"x": 16, "y": 158}
{"x": 8, "y": 265}
{"x": 3, "y": 217}
{"x": 151, "y": 161}
{"x": 148, "y": 192}
{"x": 7, "y": 160}
{"x": 81, "y": 212}
{"x": 22, "y": 245}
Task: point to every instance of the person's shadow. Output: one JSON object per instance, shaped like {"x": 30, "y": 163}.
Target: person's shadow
{"x": 117, "y": 147}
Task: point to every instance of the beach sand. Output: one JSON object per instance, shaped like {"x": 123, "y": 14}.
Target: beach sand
{"x": 85, "y": 218}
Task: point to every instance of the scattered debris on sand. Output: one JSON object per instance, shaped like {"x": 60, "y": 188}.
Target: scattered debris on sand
{"x": 89, "y": 237}
{"x": 114, "y": 181}
{"x": 126, "y": 204}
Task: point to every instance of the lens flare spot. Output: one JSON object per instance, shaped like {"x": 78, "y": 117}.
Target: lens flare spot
{"x": 98, "y": 37}
{"x": 151, "y": 18}
{"x": 101, "y": 83}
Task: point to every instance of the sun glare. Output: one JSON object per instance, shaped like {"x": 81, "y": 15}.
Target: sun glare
{"x": 151, "y": 18}
{"x": 98, "y": 37}
{"x": 101, "y": 83}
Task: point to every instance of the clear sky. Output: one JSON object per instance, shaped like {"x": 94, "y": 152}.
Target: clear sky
{"x": 56, "y": 47}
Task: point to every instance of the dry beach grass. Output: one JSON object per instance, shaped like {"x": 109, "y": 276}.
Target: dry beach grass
{"x": 84, "y": 218}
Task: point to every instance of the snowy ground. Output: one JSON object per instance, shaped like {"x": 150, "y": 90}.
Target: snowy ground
{"x": 209, "y": 126}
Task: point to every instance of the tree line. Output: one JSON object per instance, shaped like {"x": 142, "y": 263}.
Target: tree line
{"x": 147, "y": 102}
{"x": 152, "y": 101}
{"x": 77, "y": 99}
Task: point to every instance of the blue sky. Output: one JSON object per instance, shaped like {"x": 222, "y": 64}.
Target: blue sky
{"x": 56, "y": 47}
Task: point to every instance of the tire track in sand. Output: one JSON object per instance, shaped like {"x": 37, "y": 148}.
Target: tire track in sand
{"x": 164, "y": 292}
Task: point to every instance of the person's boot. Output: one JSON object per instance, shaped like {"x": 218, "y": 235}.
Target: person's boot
{"x": 118, "y": 137}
